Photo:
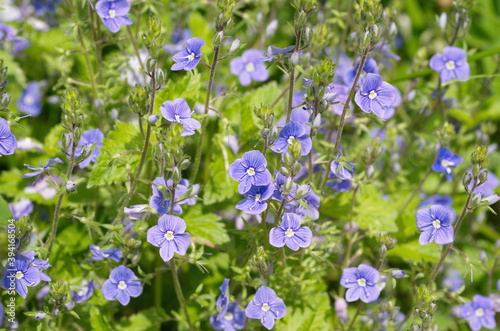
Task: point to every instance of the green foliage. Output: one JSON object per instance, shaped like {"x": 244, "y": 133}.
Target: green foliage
{"x": 373, "y": 212}
{"x": 205, "y": 228}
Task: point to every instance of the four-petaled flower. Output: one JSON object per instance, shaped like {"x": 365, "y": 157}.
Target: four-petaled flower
{"x": 446, "y": 160}
{"x": 290, "y": 233}
{"x": 111, "y": 253}
{"x": 361, "y": 283}
{"x": 250, "y": 170}
{"x": 233, "y": 319}
{"x": 436, "y": 224}
{"x": 30, "y": 101}
{"x": 162, "y": 195}
{"x": 266, "y": 306}
{"x": 84, "y": 292}
{"x": 8, "y": 142}
{"x": 249, "y": 67}
{"x": 273, "y": 52}
{"x": 479, "y": 313}
{"x": 89, "y": 138}
{"x": 41, "y": 168}
{"x": 23, "y": 274}
{"x": 222, "y": 301}
{"x": 178, "y": 111}
{"x": 170, "y": 236}
{"x": 375, "y": 95}
{"x": 122, "y": 284}
{"x": 23, "y": 207}
{"x": 255, "y": 199}
{"x": 113, "y": 13}
{"x": 188, "y": 58}
{"x": 452, "y": 64}
{"x": 291, "y": 132}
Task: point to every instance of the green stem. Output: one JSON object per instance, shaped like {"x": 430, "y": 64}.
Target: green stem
{"x": 180, "y": 295}
{"x": 292, "y": 79}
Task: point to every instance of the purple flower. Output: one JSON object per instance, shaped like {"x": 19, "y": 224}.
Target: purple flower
{"x": 273, "y": 52}
{"x": 452, "y": 280}
{"x": 122, "y": 284}
{"x": 22, "y": 274}
{"x": 340, "y": 185}
{"x": 452, "y": 64}
{"x": 84, "y": 292}
{"x": 300, "y": 115}
{"x": 99, "y": 255}
{"x": 31, "y": 100}
{"x": 137, "y": 212}
{"x": 188, "y": 58}
{"x": 340, "y": 98}
{"x": 479, "y": 313}
{"x": 24, "y": 207}
{"x": 266, "y": 306}
{"x": 114, "y": 13}
{"x": 250, "y": 170}
{"x": 39, "y": 264}
{"x": 291, "y": 132}
{"x": 89, "y": 137}
{"x": 1, "y": 313}
{"x": 234, "y": 319}
{"x": 178, "y": 111}
{"x": 446, "y": 160}
{"x": 255, "y": 199}
{"x": 308, "y": 205}
{"x": 342, "y": 169}
{"x": 42, "y": 187}
{"x": 162, "y": 195}
{"x": 361, "y": 283}
{"x": 488, "y": 187}
{"x": 8, "y": 142}
{"x": 179, "y": 39}
{"x": 370, "y": 67}
{"x": 41, "y": 168}
{"x": 249, "y": 67}
{"x": 375, "y": 95}
{"x": 398, "y": 274}
{"x": 436, "y": 224}
{"x": 290, "y": 233}
{"x": 222, "y": 301}
{"x": 279, "y": 182}
{"x": 170, "y": 236}
{"x": 443, "y": 200}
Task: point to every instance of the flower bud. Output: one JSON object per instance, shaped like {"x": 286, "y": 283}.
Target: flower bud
{"x": 398, "y": 274}
{"x": 442, "y": 20}
{"x": 70, "y": 186}
{"x": 40, "y": 316}
{"x": 153, "y": 119}
{"x": 234, "y": 45}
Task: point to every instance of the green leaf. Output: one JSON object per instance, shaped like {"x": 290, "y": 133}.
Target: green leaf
{"x": 5, "y": 214}
{"x": 373, "y": 212}
{"x": 98, "y": 321}
{"x": 416, "y": 252}
{"x": 205, "y": 228}
{"x": 188, "y": 87}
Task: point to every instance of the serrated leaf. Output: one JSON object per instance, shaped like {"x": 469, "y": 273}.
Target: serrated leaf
{"x": 373, "y": 212}
{"x": 205, "y": 228}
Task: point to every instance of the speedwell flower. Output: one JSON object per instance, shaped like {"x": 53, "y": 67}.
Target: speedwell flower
{"x": 8, "y": 142}
{"x": 452, "y": 64}
{"x": 188, "y": 58}
{"x": 38, "y": 170}
{"x": 250, "y": 170}
{"x": 291, "y": 132}
{"x": 436, "y": 224}
{"x": 178, "y": 111}
{"x": 266, "y": 306}
{"x": 122, "y": 284}
{"x": 99, "y": 255}
{"x": 255, "y": 199}
{"x": 113, "y": 13}
{"x": 479, "y": 313}
{"x": 290, "y": 233}
{"x": 22, "y": 274}
{"x": 361, "y": 283}
{"x": 170, "y": 236}
{"x": 375, "y": 95}
{"x": 30, "y": 101}
{"x": 445, "y": 161}
{"x": 234, "y": 319}
{"x": 249, "y": 66}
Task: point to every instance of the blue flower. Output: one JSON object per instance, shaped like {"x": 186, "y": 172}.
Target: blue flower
{"x": 111, "y": 253}
{"x": 162, "y": 195}
{"x": 488, "y": 187}
{"x": 273, "y": 52}
{"x": 445, "y": 161}
{"x": 300, "y": 115}
{"x": 122, "y": 284}
{"x": 222, "y": 301}
{"x": 8, "y": 142}
{"x": 342, "y": 169}
{"x": 452, "y": 64}
{"x": 24, "y": 207}
{"x": 234, "y": 319}
{"x": 479, "y": 313}
{"x": 307, "y": 206}
{"x": 291, "y": 132}
{"x": 249, "y": 67}
{"x": 170, "y": 236}
{"x": 84, "y": 292}
{"x": 255, "y": 199}
{"x": 114, "y": 13}
{"x": 178, "y": 111}
{"x": 340, "y": 185}
{"x": 279, "y": 182}
{"x": 43, "y": 7}
{"x": 266, "y": 306}
{"x": 88, "y": 138}
{"x": 398, "y": 274}
{"x": 179, "y": 39}
{"x": 361, "y": 283}
{"x": 188, "y": 58}
{"x": 375, "y": 95}
{"x": 21, "y": 274}
{"x": 41, "y": 168}
{"x": 452, "y": 280}
{"x": 436, "y": 224}
{"x": 137, "y": 212}
{"x": 341, "y": 93}
{"x": 443, "y": 200}
{"x": 369, "y": 67}
{"x": 290, "y": 233}
{"x": 250, "y": 170}
{"x": 31, "y": 100}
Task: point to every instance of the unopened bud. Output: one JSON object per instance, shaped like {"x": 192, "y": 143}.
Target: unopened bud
{"x": 234, "y": 45}
{"x": 70, "y": 186}
{"x": 153, "y": 119}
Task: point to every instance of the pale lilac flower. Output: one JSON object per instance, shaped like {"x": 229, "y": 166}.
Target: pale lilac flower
{"x": 170, "y": 236}
{"x": 250, "y": 170}
{"x": 290, "y": 233}
{"x": 23, "y": 207}
{"x": 361, "y": 283}
{"x": 249, "y": 66}
{"x": 111, "y": 253}
{"x": 122, "y": 284}
{"x": 436, "y": 224}
{"x": 375, "y": 95}
{"x": 113, "y": 13}
{"x": 266, "y": 306}
{"x": 178, "y": 111}
{"x": 479, "y": 313}
{"x": 452, "y": 64}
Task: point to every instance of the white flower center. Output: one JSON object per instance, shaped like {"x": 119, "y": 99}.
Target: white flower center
{"x": 257, "y": 197}
{"x": 265, "y": 307}
{"x": 29, "y": 100}
{"x": 177, "y": 118}
{"x": 105, "y": 255}
{"x": 290, "y": 140}
{"x": 436, "y": 224}
{"x": 289, "y": 233}
{"x": 250, "y": 171}
{"x": 479, "y": 312}
{"x": 169, "y": 235}
{"x": 122, "y": 285}
{"x": 250, "y": 67}
{"x": 228, "y": 317}
{"x": 191, "y": 57}
{"x": 19, "y": 275}
{"x": 450, "y": 65}
{"x": 446, "y": 163}
{"x": 372, "y": 95}
{"x": 362, "y": 282}
{"x": 112, "y": 13}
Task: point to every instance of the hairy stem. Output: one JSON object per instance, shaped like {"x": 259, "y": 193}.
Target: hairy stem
{"x": 180, "y": 295}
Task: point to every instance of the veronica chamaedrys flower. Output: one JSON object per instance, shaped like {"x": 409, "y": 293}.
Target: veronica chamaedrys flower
{"x": 375, "y": 95}
{"x": 222, "y": 301}
{"x": 122, "y": 284}
{"x": 250, "y": 170}
{"x": 291, "y": 132}
{"x": 39, "y": 264}
{"x": 137, "y": 212}
{"x": 445, "y": 161}
{"x": 42, "y": 188}
{"x": 30, "y": 101}
{"x": 170, "y": 236}
{"x": 452, "y": 280}
{"x": 22, "y": 274}
{"x": 38, "y": 170}
{"x": 266, "y": 306}
{"x": 438, "y": 199}
{"x": 189, "y": 57}
{"x": 436, "y": 224}
{"x": 342, "y": 169}
{"x": 300, "y": 115}
{"x": 89, "y": 137}
{"x": 341, "y": 92}
{"x": 452, "y": 64}
{"x": 161, "y": 198}
{"x": 361, "y": 283}
{"x": 234, "y": 319}
{"x": 370, "y": 67}
{"x": 290, "y": 233}
{"x": 488, "y": 187}
{"x": 84, "y": 292}
{"x": 249, "y": 67}
{"x": 340, "y": 185}
{"x": 273, "y": 52}
{"x": 279, "y": 182}
{"x": 398, "y": 274}
{"x": 179, "y": 39}
{"x": 111, "y": 253}
{"x": 8, "y": 142}
{"x": 178, "y": 111}
{"x": 114, "y": 13}
{"x": 255, "y": 199}
{"x": 23, "y": 207}
{"x": 479, "y": 313}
